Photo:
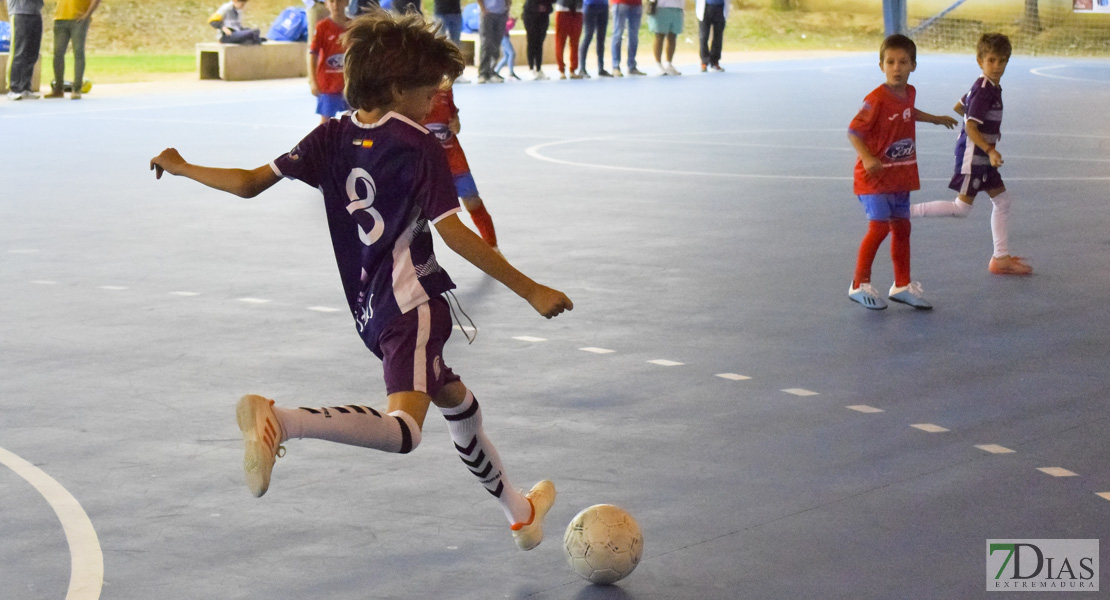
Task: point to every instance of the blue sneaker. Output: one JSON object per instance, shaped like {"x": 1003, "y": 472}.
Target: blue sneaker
{"x": 911, "y": 295}
{"x": 867, "y": 296}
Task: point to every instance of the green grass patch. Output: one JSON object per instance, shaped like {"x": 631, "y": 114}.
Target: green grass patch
{"x": 115, "y": 68}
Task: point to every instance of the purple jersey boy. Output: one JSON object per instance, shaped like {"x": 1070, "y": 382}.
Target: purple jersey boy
{"x": 382, "y": 184}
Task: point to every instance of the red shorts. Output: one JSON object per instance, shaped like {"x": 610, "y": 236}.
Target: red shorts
{"x": 412, "y": 349}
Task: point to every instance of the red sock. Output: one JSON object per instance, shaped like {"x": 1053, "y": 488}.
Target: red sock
{"x": 868, "y": 248}
{"x": 484, "y": 223}
{"x": 900, "y": 250}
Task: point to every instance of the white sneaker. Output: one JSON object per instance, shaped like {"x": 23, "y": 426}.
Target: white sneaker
{"x": 662, "y": 71}
{"x": 13, "y": 96}
{"x": 539, "y": 75}
{"x": 461, "y": 79}
{"x": 671, "y": 70}
{"x": 29, "y": 95}
{"x": 617, "y": 72}
{"x": 867, "y": 296}
{"x": 911, "y": 295}
{"x": 262, "y": 437}
{"x": 541, "y": 497}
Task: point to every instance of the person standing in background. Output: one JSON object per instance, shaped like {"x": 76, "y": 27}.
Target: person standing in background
{"x": 626, "y": 13}
{"x": 26, "y": 18}
{"x": 71, "y": 24}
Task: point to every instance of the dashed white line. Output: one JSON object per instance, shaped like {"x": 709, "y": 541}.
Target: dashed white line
{"x": 44, "y": 282}
{"x": 994, "y": 449}
{"x": 323, "y": 309}
{"x": 184, "y": 293}
{"x": 665, "y": 363}
{"x": 1057, "y": 472}
{"x": 113, "y": 288}
{"x": 597, "y": 350}
{"x": 528, "y": 338}
{"x": 733, "y": 376}
{"x": 929, "y": 427}
{"x": 800, "y": 392}
{"x": 863, "y": 408}
{"x": 1104, "y": 495}
{"x": 254, "y": 300}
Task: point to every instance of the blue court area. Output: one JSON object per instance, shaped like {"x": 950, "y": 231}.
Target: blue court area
{"x": 773, "y": 439}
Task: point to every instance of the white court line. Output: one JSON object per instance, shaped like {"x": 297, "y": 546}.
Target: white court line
{"x": 528, "y": 338}
{"x": 662, "y": 362}
{"x": 44, "y": 282}
{"x": 1057, "y": 472}
{"x": 994, "y": 449}
{"x": 86, "y": 567}
{"x": 254, "y": 300}
{"x": 1039, "y": 71}
{"x": 733, "y": 376}
{"x": 800, "y": 392}
{"x": 114, "y": 288}
{"x": 597, "y": 350}
{"x": 1104, "y": 495}
{"x": 863, "y": 408}
{"x": 187, "y": 294}
{"x": 323, "y": 309}
{"x": 929, "y": 427}
{"x": 534, "y": 152}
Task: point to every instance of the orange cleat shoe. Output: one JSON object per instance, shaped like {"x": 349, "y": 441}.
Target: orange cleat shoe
{"x": 1009, "y": 265}
{"x": 262, "y": 437}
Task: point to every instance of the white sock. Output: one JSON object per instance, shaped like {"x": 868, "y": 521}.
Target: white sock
{"x": 464, "y": 422}
{"x": 353, "y": 425}
{"x": 941, "y": 208}
{"x": 1000, "y": 224}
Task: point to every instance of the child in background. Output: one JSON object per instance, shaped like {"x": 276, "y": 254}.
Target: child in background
{"x": 977, "y": 159}
{"x": 229, "y": 23}
{"x": 884, "y": 134}
{"x": 325, "y": 61}
{"x": 508, "y": 53}
{"x": 386, "y": 183}
{"x": 443, "y": 121}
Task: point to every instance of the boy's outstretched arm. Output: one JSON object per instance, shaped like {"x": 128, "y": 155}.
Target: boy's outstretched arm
{"x": 241, "y": 182}
{"x": 925, "y": 117}
{"x": 464, "y": 242}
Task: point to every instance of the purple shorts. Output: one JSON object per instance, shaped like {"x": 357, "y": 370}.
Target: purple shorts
{"x": 980, "y": 179}
{"x": 412, "y": 349}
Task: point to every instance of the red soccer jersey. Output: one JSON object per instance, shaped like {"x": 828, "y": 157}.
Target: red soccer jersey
{"x": 887, "y": 127}
{"x": 329, "y": 56}
{"x": 438, "y": 122}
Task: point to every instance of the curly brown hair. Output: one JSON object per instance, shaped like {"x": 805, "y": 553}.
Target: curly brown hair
{"x": 387, "y": 52}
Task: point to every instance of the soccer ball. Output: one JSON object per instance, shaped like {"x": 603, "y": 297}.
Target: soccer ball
{"x": 603, "y": 544}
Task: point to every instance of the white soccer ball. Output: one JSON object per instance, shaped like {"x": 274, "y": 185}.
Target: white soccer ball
{"x": 603, "y": 544}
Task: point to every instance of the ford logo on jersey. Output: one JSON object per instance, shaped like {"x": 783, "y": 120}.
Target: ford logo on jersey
{"x": 900, "y": 149}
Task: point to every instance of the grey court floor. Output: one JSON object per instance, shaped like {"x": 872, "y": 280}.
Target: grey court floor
{"x": 774, "y": 440}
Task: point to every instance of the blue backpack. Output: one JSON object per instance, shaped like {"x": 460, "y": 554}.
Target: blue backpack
{"x": 471, "y": 18}
{"x": 5, "y": 36}
{"x": 290, "y": 26}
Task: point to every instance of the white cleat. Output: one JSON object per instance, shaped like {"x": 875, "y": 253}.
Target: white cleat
{"x": 541, "y": 497}
{"x": 262, "y": 437}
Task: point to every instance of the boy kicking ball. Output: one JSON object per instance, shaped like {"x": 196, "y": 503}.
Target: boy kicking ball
{"x": 385, "y": 180}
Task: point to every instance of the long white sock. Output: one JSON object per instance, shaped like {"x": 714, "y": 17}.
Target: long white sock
{"x": 464, "y": 422}
{"x": 1000, "y": 224}
{"x": 353, "y": 425}
{"x": 941, "y": 208}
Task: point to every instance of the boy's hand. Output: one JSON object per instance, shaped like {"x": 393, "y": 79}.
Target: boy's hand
{"x": 872, "y": 165}
{"x": 947, "y": 121}
{"x": 996, "y": 158}
{"x": 168, "y": 161}
{"x": 549, "y": 302}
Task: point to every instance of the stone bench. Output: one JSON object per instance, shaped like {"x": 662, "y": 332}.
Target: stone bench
{"x": 5, "y": 58}
{"x": 239, "y": 62}
{"x": 471, "y": 47}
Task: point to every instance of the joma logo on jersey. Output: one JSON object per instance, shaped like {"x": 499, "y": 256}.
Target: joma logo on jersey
{"x": 901, "y": 149}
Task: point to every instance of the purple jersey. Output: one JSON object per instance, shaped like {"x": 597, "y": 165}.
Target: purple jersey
{"x": 982, "y": 104}
{"x": 382, "y": 184}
